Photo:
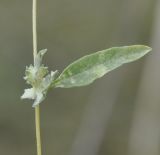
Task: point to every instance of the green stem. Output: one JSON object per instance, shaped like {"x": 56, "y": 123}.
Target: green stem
{"x": 38, "y": 135}
{"x": 37, "y": 108}
{"x": 34, "y": 22}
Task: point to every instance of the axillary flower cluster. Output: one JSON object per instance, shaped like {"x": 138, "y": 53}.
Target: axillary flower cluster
{"x": 39, "y": 78}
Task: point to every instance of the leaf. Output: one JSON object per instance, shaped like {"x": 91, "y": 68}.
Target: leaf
{"x": 91, "y": 67}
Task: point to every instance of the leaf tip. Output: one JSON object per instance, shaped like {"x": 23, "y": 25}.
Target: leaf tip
{"x": 144, "y": 47}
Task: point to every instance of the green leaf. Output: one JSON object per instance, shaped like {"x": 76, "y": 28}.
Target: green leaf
{"x": 91, "y": 67}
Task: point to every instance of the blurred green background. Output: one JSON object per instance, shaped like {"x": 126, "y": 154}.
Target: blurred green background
{"x": 116, "y": 115}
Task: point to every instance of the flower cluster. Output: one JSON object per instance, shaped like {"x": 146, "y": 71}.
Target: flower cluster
{"x": 39, "y": 78}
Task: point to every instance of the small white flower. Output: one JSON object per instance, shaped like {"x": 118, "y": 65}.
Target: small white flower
{"x": 29, "y": 94}
{"x": 37, "y": 76}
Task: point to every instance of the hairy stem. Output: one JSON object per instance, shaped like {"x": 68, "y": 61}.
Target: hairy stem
{"x": 37, "y": 108}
